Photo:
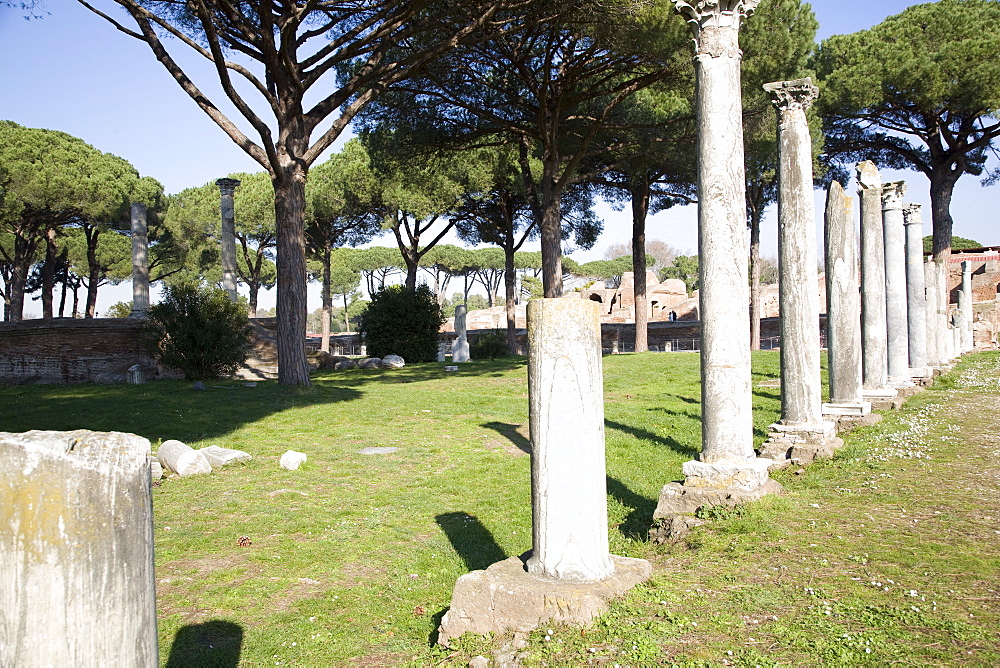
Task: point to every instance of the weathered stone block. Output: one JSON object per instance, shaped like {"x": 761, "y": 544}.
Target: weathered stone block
{"x": 182, "y": 459}
{"x": 219, "y": 457}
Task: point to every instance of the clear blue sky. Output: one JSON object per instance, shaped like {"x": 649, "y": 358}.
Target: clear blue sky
{"x": 71, "y": 71}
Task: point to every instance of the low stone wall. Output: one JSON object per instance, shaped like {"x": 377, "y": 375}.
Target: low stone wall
{"x": 68, "y": 350}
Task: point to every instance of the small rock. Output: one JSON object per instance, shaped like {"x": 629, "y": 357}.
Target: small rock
{"x": 370, "y": 363}
{"x": 291, "y": 460}
{"x": 393, "y": 362}
{"x": 377, "y": 451}
{"x": 479, "y": 662}
{"x": 451, "y": 368}
{"x": 345, "y": 365}
{"x": 155, "y": 470}
{"x": 198, "y": 385}
{"x": 250, "y": 384}
{"x": 219, "y": 457}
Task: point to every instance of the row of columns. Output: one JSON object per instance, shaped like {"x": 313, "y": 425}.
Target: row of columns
{"x": 140, "y": 248}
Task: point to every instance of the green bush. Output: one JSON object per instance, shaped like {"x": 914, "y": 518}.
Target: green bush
{"x": 199, "y": 331}
{"x": 119, "y": 310}
{"x": 403, "y": 322}
{"x": 489, "y": 345}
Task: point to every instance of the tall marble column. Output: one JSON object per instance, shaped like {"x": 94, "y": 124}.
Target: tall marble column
{"x": 727, "y": 461}
{"x": 875, "y": 370}
{"x": 965, "y": 306}
{"x": 226, "y": 189}
{"x": 916, "y": 298}
{"x": 897, "y": 332}
{"x": 801, "y": 384}
{"x": 140, "y": 261}
{"x": 843, "y": 307}
{"x": 727, "y": 422}
{"x": 935, "y": 357}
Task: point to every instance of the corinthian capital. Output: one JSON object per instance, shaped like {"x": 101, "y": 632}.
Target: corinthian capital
{"x": 892, "y": 195}
{"x": 708, "y": 17}
{"x": 787, "y": 95}
{"x": 227, "y": 186}
{"x": 911, "y": 214}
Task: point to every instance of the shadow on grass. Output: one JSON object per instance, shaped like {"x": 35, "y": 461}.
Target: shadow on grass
{"x": 509, "y": 431}
{"x": 172, "y": 409}
{"x": 471, "y": 540}
{"x": 640, "y": 519}
{"x": 655, "y": 439}
{"x": 213, "y": 644}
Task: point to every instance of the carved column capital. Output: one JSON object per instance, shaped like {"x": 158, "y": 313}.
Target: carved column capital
{"x": 227, "y": 186}
{"x": 790, "y": 95}
{"x": 892, "y": 195}
{"x": 715, "y": 23}
{"x": 911, "y": 214}
{"x": 868, "y": 176}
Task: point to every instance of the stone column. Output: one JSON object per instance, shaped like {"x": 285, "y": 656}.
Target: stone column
{"x": 570, "y": 573}
{"x": 566, "y": 413}
{"x": 226, "y": 189}
{"x": 916, "y": 297}
{"x": 728, "y": 470}
{"x": 898, "y": 346}
{"x": 140, "y": 261}
{"x": 843, "y": 308}
{"x": 965, "y": 306}
{"x": 77, "y": 586}
{"x": 874, "y": 359}
{"x": 935, "y": 357}
{"x": 801, "y": 384}
{"x": 460, "y": 349}
{"x": 727, "y": 422}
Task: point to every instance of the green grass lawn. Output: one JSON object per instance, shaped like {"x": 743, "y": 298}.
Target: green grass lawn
{"x": 354, "y": 557}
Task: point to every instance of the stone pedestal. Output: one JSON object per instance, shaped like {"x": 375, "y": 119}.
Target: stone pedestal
{"x": 140, "y": 261}
{"x": 569, "y": 574}
{"x": 916, "y": 297}
{"x": 77, "y": 586}
{"x": 843, "y": 308}
{"x": 228, "y": 246}
{"x": 875, "y": 370}
{"x": 800, "y": 444}
{"x": 895, "y": 285}
{"x": 460, "y": 348}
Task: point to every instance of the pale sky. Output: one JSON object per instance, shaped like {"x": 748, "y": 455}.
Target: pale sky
{"x": 72, "y": 71}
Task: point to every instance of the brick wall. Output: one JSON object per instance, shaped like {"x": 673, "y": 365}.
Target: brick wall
{"x": 66, "y": 350}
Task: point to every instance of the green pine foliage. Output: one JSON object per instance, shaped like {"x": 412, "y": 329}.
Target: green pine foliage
{"x": 403, "y": 322}
{"x": 199, "y": 331}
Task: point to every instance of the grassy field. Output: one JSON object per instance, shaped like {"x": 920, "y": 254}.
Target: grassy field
{"x": 886, "y": 554}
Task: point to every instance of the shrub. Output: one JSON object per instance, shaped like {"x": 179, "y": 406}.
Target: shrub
{"x": 403, "y": 322}
{"x": 489, "y": 345}
{"x": 199, "y": 331}
{"x": 119, "y": 310}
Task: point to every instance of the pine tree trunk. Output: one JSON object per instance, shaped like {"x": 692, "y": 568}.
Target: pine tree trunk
{"x": 640, "y": 207}
{"x": 510, "y": 286}
{"x": 94, "y": 270}
{"x": 327, "y": 300}
{"x": 289, "y": 209}
{"x": 942, "y": 188}
{"x": 755, "y": 217}
{"x": 49, "y": 272}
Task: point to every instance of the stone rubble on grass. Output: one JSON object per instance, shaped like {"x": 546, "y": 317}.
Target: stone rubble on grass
{"x": 155, "y": 469}
{"x": 345, "y": 365}
{"x": 182, "y": 459}
{"x": 291, "y": 460}
{"x": 370, "y": 363}
{"x": 377, "y": 451}
{"x": 219, "y": 457}
{"x": 393, "y": 362}
{"x": 198, "y": 385}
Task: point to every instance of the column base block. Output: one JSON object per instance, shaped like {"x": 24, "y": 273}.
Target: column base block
{"x": 506, "y": 598}
{"x": 746, "y": 476}
{"x": 675, "y": 513}
{"x": 900, "y": 383}
{"x": 879, "y": 393}
{"x": 851, "y": 408}
{"x": 919, "y": 372}
{"x": 800, "y": 444}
